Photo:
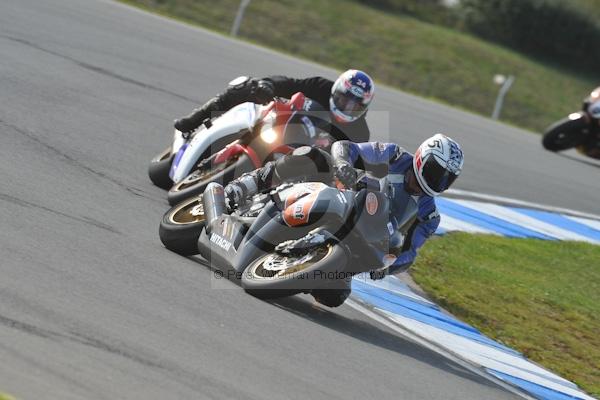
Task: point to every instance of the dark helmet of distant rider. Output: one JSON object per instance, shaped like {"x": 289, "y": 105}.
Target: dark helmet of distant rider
{"x": 592, "y": 104}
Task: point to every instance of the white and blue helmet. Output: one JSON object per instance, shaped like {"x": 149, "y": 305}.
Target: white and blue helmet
{"x": 437, "y": 163}
{"x": 351, "y": 95}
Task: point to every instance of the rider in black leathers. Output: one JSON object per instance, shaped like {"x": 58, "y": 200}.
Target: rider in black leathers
{"x": 347, "y": 99}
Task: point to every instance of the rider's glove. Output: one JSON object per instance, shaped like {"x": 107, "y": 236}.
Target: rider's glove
{"x": 378, "y": 274}
{"x": 234, "y": 195}
{"x": 346, "y": 174}
{"x": 262, "y": 91}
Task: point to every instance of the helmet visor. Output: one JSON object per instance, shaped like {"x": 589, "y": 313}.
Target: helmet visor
{"x": 349, "y": 104}
{"x": 437, "y": 177}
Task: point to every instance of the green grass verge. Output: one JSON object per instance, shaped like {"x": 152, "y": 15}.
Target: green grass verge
{"x": 590, "y": 7}
{"x": 397, "y": 50}
{"x": 4, "y": 396}
{"x": 539, "y": 297}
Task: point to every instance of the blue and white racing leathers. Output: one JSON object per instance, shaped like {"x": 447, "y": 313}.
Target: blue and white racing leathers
{"x": 394, "y": 161}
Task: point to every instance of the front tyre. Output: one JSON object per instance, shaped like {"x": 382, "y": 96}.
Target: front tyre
{"x": 274, "y": 275}
{"x": 196, "y": 182}
{"x": 181, "y": 226}
{"x": 565, "y": 134}
{"x": 159, "y": 168}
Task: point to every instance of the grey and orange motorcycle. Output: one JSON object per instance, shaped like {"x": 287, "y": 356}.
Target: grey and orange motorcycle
{"x": 305, "y": 237}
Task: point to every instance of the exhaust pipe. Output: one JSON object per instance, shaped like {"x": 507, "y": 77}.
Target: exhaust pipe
{"x": 214, "y": 203}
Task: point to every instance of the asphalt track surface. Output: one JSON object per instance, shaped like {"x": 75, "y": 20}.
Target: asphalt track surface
{"x": 93, "y": 307}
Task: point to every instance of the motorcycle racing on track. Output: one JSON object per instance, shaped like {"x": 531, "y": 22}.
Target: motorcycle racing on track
{"x": 341, "y": 104}
{"x": 239, "y": 141}
{"x": 580, "y": 130}
{"x": 312, "y": 236}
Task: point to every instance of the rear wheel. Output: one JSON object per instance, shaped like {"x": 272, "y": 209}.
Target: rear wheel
{"x": 565, "y": 134}
{"x": 274, "y": 275}
{"x": 331, "y": 297}
{"x": 159, "y": 167}
{"x": 181, "y": 226}
{"x": 196, "y": 182}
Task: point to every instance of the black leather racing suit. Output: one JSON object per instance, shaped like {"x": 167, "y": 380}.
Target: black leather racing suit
{"x": 259, "y": 91}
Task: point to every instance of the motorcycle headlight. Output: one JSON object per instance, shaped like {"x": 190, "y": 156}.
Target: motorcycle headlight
{"x": 268, "y": 135}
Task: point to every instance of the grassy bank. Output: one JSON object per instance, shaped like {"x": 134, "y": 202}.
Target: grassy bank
{"x": 400, "y": 51}
{"x": 540, "y": 297}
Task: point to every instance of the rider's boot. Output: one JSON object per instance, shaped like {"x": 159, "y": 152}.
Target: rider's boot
{"x": 210, "y": 109}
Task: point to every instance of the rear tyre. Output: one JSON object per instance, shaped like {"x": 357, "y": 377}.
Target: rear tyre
{"x": 294, "y": 275}
{"x": 565, "y": 134}
{"x": 196, "y": 182}
{"x": 159, "y": 167}
{"x": 181, "y": 226}
{"x": 331, "y": 297}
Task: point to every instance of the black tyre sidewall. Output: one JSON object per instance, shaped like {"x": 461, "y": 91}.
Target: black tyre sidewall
{"x": 222, "y": 177}
{"x": 158, "y": 170}
{"x": 572, "y": 128}
{"x": 180, "y": 238}
{"x": 291, "y": 285}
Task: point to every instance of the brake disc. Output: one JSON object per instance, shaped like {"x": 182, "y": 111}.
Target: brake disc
{"x": 275, "y": 262}
{"x": 198, "y": 210}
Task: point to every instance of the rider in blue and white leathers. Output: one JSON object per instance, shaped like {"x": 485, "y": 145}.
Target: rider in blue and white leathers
{"x": 433, "y": 168}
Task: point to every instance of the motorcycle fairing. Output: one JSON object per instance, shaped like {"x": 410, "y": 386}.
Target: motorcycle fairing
{"x": 219, "y": 245}
{"x": 177, "y": 159}
{"x": 178, "y": 141}
{"x": 367, "y": 233}
{"x": 298, "y": 202}
{"x": 236, "y": 148}
{"x": 239, "y": 118}
{"x": 230, "y": 245}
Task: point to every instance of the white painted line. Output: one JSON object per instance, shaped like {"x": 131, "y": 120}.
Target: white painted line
{"x": 398, "y": 288}
{"x": 437, "y": 348}
{"x": 453, "y": 224}
{"x": 588, "y": 222}
{"x": 526, "y": 221}
{"x": 501, "y": 199}
{"x": 490, "y": 357}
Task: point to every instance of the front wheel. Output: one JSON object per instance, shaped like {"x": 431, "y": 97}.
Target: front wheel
{"x": 159, "y": 168}
{"x": 182, "y": 225}
{"x": 196, "y": 182}
{"x": 565, "y": 134}
{"x": 274, "y": 275}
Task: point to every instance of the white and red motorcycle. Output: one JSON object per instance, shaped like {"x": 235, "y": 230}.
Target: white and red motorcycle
{"x": 242, "y": 139}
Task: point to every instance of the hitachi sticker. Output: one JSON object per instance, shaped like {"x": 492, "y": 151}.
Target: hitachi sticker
{"x": 220, "y": 241}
